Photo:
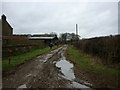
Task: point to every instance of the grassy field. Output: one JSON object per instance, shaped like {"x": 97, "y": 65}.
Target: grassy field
{"x": 16, "y": 60}
{"x": 86, "y": 62}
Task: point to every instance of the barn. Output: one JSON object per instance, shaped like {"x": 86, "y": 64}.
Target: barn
{"x": 47, "y": 39}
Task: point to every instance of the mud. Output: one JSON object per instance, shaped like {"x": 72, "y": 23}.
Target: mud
{"x": 50, "y": 70}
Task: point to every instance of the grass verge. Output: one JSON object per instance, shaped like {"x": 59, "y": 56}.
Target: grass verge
{"x": 19, "y": 59}
{"x": 85, "y": 62}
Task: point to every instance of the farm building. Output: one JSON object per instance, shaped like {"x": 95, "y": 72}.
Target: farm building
{"x": 21, "y": 43}
{"x": 7, "y": 30}
{"x": 47, "y": 39}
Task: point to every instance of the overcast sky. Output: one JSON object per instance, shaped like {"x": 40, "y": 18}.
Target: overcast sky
{"x": 93, "y": 19}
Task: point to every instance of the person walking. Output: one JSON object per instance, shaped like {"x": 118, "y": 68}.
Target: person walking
{"x": 50, "y": 45}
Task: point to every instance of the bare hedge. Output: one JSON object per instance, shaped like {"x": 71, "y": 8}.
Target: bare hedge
{"x": 107, "y": 48}
{"x": 19, "y": 46}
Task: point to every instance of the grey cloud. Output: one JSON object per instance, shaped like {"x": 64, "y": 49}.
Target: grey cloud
{"x": 94, "y": 19}
{"x": 0, "y": 9}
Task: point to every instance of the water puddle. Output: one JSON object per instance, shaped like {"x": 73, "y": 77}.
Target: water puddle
{"x": 54, "y": 62}
{"x": 56, "y": 50}
{"x": 78, "y": 85}
{"x": 28, "y": 75}
{"x": 86, "y": 83}
{"x": 23, "y": 86}
{"x": 66, "y": 69}
{"x": 47, "y": 57}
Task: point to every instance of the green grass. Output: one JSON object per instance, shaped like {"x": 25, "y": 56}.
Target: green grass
{"x": 85, "y": 62}
{"x": 16, "y": 60}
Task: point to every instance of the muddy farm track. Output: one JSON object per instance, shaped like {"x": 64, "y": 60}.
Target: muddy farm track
{"x": 50, "y": 70}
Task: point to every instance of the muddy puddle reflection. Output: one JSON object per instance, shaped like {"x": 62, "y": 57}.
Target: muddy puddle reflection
{"x": 67, "y": 69}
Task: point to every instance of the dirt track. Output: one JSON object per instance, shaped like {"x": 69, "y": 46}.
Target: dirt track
{"x": 44, "y": 72}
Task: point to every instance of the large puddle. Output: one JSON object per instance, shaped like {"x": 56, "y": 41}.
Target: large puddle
{"x": 67, "y": 69}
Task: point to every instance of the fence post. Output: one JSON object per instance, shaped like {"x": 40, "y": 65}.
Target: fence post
{"x": 9, "y": 60}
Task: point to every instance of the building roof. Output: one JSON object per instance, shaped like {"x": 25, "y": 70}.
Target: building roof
{"x": 42, "y": 38}
{"x": 4, "y": 18}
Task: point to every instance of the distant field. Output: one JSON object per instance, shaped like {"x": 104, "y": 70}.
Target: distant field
{"x": 16, "y": 60}
{"x": 86, "y": 62}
